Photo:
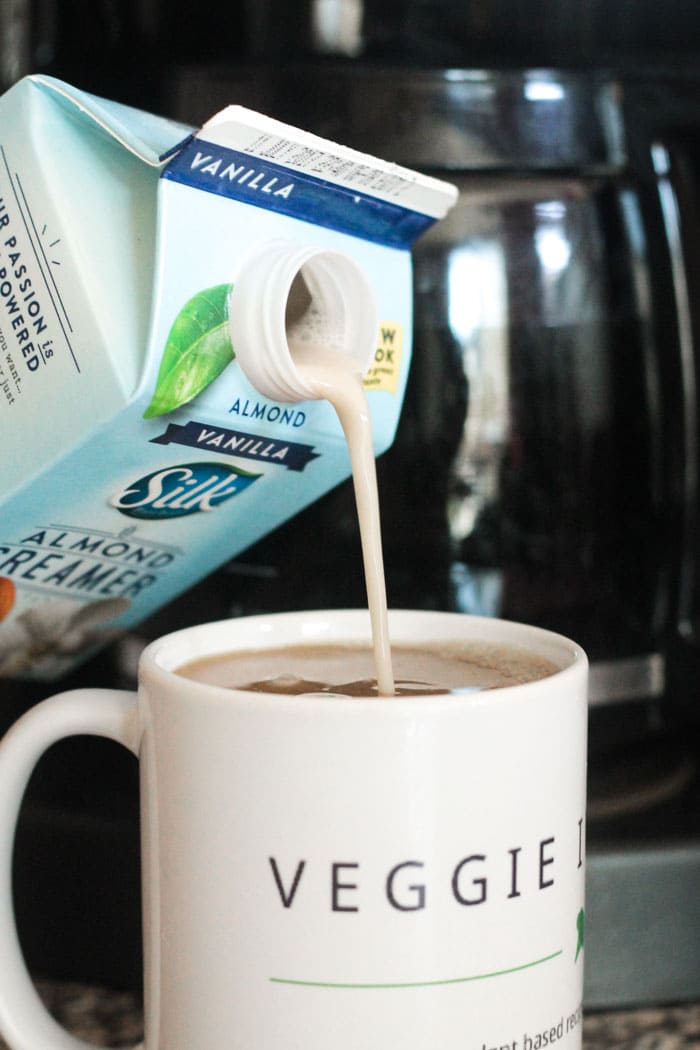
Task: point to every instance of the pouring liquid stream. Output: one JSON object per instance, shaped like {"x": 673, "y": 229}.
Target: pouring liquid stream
{"x": 337, "y": 378}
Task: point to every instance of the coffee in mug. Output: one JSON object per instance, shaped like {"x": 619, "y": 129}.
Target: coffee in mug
{"x": 347, "y": 671}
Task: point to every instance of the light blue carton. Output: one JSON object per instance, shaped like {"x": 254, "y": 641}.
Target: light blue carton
{"x": 136, "y": 457}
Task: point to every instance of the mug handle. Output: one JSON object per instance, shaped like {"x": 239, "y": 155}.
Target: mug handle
{"x": 25, "y": 1022}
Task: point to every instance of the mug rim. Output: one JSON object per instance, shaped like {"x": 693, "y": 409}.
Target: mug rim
{"x": 161, "y": 659}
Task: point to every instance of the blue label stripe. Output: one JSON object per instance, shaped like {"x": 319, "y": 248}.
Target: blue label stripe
{"x": 290, "y": 454}
{"x": 216, "y": 169}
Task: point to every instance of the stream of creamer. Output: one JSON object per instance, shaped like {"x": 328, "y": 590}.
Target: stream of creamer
{"x": 336, "y": 377}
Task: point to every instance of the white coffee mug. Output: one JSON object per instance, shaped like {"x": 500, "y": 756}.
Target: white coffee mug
{"x": 361, "y": 874}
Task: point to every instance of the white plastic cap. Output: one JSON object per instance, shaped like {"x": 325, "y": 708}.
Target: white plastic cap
{"x": 286, "y": 291}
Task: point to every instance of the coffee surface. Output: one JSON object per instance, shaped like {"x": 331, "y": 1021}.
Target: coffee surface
{"x": 349, "y": 671}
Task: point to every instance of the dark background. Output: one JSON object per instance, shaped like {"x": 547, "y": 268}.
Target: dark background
{"x": 125, "y": 48}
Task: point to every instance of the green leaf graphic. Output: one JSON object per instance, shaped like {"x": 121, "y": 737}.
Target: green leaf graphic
{"x": 197, "y": 350}
{"x": 580, "y": 924}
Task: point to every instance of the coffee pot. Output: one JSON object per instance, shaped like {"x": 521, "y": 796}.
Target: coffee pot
{"x": 545, "y": 466}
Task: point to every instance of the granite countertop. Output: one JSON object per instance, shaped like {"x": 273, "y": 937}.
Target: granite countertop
{"x": 673, "y": 1028}
{"x": 114, "y": 1019}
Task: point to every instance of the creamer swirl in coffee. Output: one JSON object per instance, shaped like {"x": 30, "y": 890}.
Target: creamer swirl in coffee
{"x": 347, "y": 671}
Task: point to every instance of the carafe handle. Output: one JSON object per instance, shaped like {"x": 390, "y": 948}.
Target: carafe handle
{"x": 677, "y": 170}
{"x": 25, "y": 1022}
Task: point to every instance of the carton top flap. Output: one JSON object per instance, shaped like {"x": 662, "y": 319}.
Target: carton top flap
{"x": 151, "y": 138}
{"x": 265, "y": 138}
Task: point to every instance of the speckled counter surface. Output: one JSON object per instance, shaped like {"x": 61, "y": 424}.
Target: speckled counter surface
{"x": 113, "y": 1019}
{"x": 673, "y": 1028}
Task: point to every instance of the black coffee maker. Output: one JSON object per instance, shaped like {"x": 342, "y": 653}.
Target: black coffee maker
{"x": 546, "y": 464}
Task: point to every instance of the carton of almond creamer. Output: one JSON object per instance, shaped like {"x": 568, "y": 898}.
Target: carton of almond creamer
{"x": 136, "y": 457}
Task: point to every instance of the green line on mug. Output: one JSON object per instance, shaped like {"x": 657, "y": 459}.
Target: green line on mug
{"x": 418, "y": 984}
